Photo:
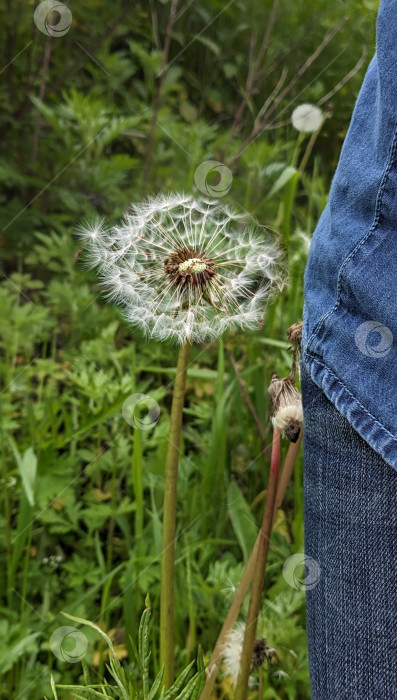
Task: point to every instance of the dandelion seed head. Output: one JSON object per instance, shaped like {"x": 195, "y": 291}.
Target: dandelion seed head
{"x": 186, "y": 269}
{"x": 287, "y": 414}
{"x": 307, "y": 118}
{"x": 232, "y": 649}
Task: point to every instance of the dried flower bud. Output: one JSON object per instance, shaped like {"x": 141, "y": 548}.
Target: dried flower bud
{"x": 261, "y": 652}
{"x": 287, "y": 413}
{"x": 294, "y": 333}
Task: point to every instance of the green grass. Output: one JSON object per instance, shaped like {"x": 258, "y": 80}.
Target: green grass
{"x": 81, "y": 489}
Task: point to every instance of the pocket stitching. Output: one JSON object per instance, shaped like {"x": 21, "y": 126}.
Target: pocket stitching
{"x": 378, "y": 209}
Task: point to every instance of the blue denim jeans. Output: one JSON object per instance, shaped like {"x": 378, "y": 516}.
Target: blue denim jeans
{"x": 350, "y": 500}
{"x": 349, "y": 393}
{"x": 349, "y": 337}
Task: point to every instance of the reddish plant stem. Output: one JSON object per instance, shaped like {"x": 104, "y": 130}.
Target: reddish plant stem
{"x": 239, "y": 596}
{"x": 259, "y": 575}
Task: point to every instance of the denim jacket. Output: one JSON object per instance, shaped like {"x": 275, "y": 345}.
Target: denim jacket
{"x": 349, "y": 337}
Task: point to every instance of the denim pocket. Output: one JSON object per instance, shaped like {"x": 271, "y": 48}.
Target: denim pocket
{"x": 367, "y": 279}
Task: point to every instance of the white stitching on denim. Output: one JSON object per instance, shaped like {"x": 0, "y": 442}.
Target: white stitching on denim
{"x": 339, "y": 381}
{"x": 378, "y": 208}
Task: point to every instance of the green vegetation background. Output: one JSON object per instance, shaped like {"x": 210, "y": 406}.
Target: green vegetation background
{"x": 88, "y": 126}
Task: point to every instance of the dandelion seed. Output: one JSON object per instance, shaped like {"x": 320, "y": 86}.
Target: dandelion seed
{"x": 307, "y": 118}
{"x": 305, "y": 242}
{"x": 184, "y": 269}
{"x": 280, "y": 674}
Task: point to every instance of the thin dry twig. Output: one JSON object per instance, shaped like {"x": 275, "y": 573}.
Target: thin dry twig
{"x": 346, "y": 79}
{"x": 258, "y": 125}
{"x": 262, "y": 122}
{"x": 183, "y": 10}
{"x": 155, "y": 25}
{"x": 44, "y": 76}
{"x": 254, "y": 68}
{"x": 157, "y": 103}
{"x": 302, "y": 70}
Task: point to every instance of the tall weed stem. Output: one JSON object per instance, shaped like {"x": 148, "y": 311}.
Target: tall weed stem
{"x": 241, "y": 592}
{"x": 259, "y": 575}
{"x": 169, "y": 520}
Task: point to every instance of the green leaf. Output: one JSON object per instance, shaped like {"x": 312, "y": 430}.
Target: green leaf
{"x": 143, "y": 645}
{"x": 179, "y": 683}
{"x": 27, "y": 466}
{"x": 156, "y": 684}
{"x": 282, "y": 180}
{"x": 12, "y": 656}
{"x": 188, "y": 111}
{"x": 96, "y": 628}
{"x": 274, "y": 343}
{"x": 53, "y": 687}
{"x": 212, "y": 45}
{"x": 24, "y": 526}
{"x": 243, "y": 523}
{"x": 229, "y": 69}
{"x": 192, "y": 373}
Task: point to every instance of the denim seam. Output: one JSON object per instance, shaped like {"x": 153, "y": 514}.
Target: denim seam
{"x": 339, "y": 381}
{"x": 378, "y": 208}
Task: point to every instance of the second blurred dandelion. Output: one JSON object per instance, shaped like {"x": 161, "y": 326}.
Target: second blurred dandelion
{"x": 307, "y": 118}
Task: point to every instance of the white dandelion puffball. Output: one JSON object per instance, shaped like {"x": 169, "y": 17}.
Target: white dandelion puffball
{"x": 232, "y": 650}
{"x": 287, "y": 415}
{"x": 307, "y": 118}
{"x": 184, "y": 269}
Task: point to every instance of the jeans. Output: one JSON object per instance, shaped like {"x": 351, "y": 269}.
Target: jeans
{"x": 350, "y": 517}
{"x": 349, "y": 336}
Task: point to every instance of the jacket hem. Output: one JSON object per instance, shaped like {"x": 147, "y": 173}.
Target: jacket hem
{"x": 370, "y": 429}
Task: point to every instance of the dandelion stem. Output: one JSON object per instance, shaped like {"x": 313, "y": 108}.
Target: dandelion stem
{"x": 169, "y": 520}
{"x": 239, "y": 596}
{"x": 260, "y": 687}
{"x": 229, "y": 623}
{"x": 285, "y": 476}
{"x": 310, "y": 145}
{"x": 259, "y": 575}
